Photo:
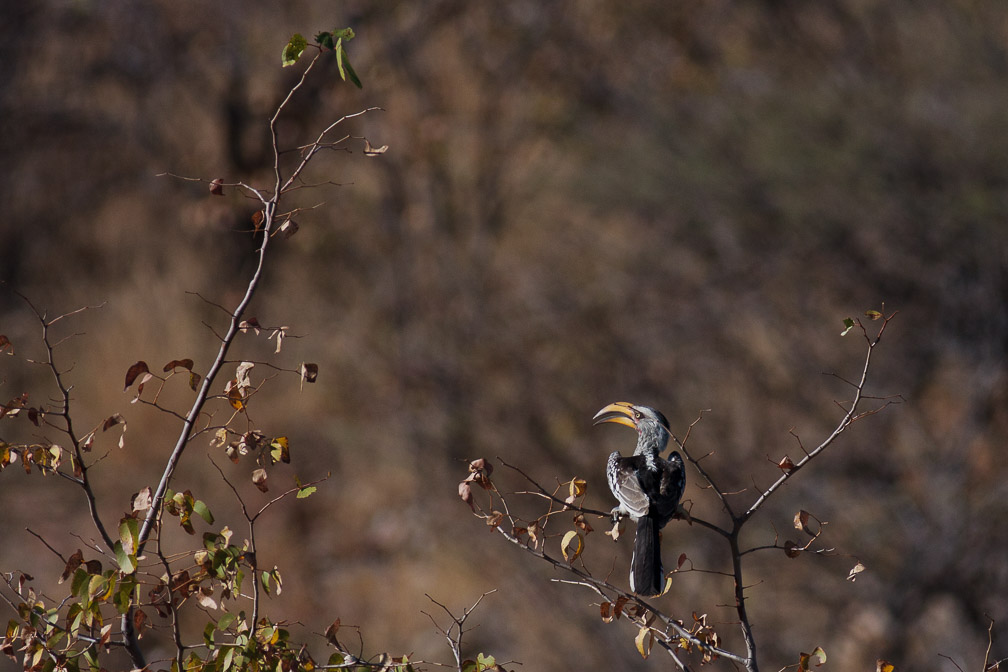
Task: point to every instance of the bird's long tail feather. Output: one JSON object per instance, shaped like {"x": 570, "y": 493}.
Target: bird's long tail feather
{"x": 646, "y": 575}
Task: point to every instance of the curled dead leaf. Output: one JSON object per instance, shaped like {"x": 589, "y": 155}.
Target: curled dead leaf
{"x": 72, "y": 564}
{"x": 87, "y": 442}
{"x": 855, "y": 570}
{"x": 465, "y": 492}
{"x": 370, "y": 150}
{"x": 184, "y": 363}
{"x": 289, "y": 228}
{"x": 141, "y": 501}
{"x": 817, "y": 658}
{"x": 134, "y": 372}
{"x": 618, "y": 606}
{"x": 242, "y": 374}
{"x": 330, "y": 633}
{"x": 251, "y": 323}
{"x": 259, "y": 479}
{"x": 786, "y": 464}
{"x": 481, "y": 465}
{"x": 112, "y": 421}
{"x": 533, "y": 531}
{"x": 217, "y": 187}
{"x": 606, "y": 612}
{"x": 309, "y": 372}
{"x": 618, "y": 528}
{"x": 582, "y": 524}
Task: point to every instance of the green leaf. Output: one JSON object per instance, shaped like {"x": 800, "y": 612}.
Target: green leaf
{"x": 126, "y": 560}
{"x": 208, "y": 634}
{"x": 306, "y": 492}
{"x": 295, "y": 47}
{"x": 225, "y": 621}
{"x": 873, "y": 314}
{"x": 129, "y": 533}
{"x": 96, "y": 585}
{"x": 124, "y": 594}
{"x": 849, "y": 324}
{"x": 203, "y": 512}
{"x": 79, "y": 581}
{"x": 324, "y": 40}
{"x": 91, "y": 656}
{"x": 344, "y": 34}
{"x": 349, "y": 70}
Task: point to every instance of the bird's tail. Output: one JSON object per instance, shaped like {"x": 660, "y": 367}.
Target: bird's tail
{"x": 646, "y": 575}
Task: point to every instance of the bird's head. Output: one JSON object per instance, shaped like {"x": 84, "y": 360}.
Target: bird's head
{"x": 651, "y": 425}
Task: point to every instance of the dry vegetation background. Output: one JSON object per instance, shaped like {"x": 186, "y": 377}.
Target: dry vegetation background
{"x": 669, "y": 203}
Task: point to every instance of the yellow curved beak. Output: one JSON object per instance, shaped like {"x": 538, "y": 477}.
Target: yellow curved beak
{"x": 621, "y": 413}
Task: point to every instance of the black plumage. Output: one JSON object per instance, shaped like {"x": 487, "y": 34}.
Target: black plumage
{"x": 647, "y": 487}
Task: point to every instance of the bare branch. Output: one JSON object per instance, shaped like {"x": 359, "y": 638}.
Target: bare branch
{"x": 850, "y": 416}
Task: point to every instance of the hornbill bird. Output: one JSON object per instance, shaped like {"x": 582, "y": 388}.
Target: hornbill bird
{"x": 648, "y": 488}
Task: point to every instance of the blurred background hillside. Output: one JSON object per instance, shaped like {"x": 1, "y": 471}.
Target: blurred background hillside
{"x": 669, "y": 203}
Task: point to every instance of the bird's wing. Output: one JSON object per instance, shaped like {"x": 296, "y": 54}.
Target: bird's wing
{"x": 627, "y": 489}
{"x": 672, "y": 483}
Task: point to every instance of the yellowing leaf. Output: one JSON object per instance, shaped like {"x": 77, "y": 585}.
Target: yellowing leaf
{"x": 293, "y": 50}
{"x": 882, "y": 665}
{"x": 570, "y": 552}
{"x": 817, "y": 658}
{"x": 644, "y": 641}
{"x": 219, "y": 437}
{"x": 578, "y": 487}
{"x": 280, "y": 451}
{"x": 235, "y": 398}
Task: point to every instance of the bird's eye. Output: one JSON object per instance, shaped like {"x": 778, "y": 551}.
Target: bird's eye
{"x": 638, "y": 415}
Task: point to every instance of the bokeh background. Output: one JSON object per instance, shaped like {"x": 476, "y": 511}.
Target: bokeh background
{"x": 669, "y": 203}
